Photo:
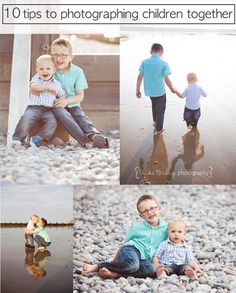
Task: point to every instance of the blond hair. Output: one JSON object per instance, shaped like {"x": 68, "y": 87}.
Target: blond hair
{"x": 177, "y": 221}
{"x": 63, "y": 42}
{"x": 191, "y": 77}
{"x": 44, "y": 58}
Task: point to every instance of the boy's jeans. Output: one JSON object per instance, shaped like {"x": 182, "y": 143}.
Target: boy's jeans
{"x": 75, "y": 122}
{"x": 158, "y": 111}
{"x": 191, "y": 116}
{"x": 128, "y": 263}
{"x": 40, "y": 241}
{"x": 29, "y": 240}
{"x": 31, "y": 116}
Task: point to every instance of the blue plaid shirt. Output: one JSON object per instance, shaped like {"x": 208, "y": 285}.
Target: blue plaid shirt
{"x": 168, "y": 253}
{"x": 193, "y": 93}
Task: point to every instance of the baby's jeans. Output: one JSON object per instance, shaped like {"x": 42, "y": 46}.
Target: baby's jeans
{"x": 41, "y": 241}
{"x": 76, "y": 123}
{"x": 191, "y": 116}
{"x": 158, "y": 111}
{"x": 33, "y": 115}
{"x": 175, "y": 269}
{"x": 128, "y": 263}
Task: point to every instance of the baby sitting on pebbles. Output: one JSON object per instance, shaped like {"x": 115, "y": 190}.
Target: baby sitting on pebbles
{"x": 174, "y": 255}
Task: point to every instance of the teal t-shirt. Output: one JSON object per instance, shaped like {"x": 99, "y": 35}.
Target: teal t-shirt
{"x": 154, "y": 69}
{"x": 146, "y": 238}
{"x": 72, "y": 81}
{"x": 43, "y": 233}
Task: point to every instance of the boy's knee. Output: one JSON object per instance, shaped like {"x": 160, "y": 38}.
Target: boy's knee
{"x": 132, "y": 266}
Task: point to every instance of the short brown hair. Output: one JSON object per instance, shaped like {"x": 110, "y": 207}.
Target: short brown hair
{"x": 146, "y": 197}
{"x": 63, "y": 42}
{"x": 44, "y": 221}
{"x": 157, "y": 48}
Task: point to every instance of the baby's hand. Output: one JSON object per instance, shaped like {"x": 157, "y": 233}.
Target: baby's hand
{"x": 52, "y": 91}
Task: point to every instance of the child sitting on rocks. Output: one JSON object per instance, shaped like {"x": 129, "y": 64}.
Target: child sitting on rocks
{"x": 174, "y": 255}
{"x": 135, "y": 256}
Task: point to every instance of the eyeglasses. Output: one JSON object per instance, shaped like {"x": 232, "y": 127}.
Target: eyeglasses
{"x": 62, "y": 56}
{"x": 151, "y": 210}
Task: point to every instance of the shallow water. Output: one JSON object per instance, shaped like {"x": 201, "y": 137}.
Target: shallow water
{"x": 52, "y": 270}
{"x": 206, "y": 156}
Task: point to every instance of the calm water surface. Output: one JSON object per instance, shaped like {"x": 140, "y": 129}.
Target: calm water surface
{"x": 28, "y": 271}
{"x": 206, "y": 156}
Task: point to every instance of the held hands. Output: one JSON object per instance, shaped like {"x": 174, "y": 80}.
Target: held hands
{"x": 138, "y": 94}
{"x": 52, "y": 91}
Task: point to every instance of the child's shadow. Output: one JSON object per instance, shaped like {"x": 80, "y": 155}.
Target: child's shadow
{"x": 192, "y": 153}
{"x": 155, "y": 171}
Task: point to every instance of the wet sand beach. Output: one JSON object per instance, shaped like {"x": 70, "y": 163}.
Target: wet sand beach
{"x": 180, "y": 156}
{"x": 17, "y": 263}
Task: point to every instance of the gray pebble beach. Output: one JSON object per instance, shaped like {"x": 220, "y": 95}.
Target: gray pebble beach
{"x": 61, "y": 164}
{"x": 103, "y": 215}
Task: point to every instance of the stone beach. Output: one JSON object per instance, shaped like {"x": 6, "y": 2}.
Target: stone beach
{"x": 56, "y": 164}
{"x": 103, "y": 214}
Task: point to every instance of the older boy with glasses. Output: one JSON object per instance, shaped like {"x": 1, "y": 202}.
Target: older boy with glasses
{"x": 134, "y": 258}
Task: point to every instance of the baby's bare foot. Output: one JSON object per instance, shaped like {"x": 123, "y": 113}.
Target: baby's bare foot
{"x": 189, "y": 273}
{"x": 160, "y": 271}
{"x": 87, "y": 268}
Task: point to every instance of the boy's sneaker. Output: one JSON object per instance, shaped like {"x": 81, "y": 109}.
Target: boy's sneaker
{"x": 16, "y": 143}
{"x": 159, "y": 132}
{"x": 35, "y": 141}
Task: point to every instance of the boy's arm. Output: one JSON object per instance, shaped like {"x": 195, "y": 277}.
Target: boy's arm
{"x": 178, "y": 94}
{"x": 138, "y": 84}
{"x": 62, "y": 102}
{"x": 169, "y": 84}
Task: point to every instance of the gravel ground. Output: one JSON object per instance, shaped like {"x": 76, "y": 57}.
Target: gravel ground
{"x": 61, "y": 164}
{"x": 104, "y": 214}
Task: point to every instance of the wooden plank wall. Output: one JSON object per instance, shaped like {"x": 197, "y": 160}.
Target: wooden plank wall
{"x": 6, "y": 47}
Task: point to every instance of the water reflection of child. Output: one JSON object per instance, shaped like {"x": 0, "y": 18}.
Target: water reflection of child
{"x": 30, "y": 226}
{"x": 192, "y": 93}
{"x": 34, "y": 264}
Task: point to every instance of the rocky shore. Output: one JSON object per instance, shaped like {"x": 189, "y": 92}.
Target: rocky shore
{"x": 104, "y": 214}
{"x": 61, "y": 164}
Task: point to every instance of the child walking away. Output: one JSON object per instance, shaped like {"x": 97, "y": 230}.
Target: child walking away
{"x": 134, "y": 258}
{"x": 192, "y": 94}
{"x": 45, "y": 89}
{"x": 41, "y": 236}
{"x": 68, "y": 110}
{"x": 155, "y": 73}
{"x": 30, "y": 226}
{"x": 174, "y": 256}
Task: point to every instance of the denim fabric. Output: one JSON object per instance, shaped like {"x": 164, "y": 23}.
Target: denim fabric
{"x": 176, "y": 269}
{"x": 75, "y": 122}
{"x": 29, "y": 239}
{"x": 191, "y": 116}
{"x": 158, "y": 111}
{"x": 40, "y": 241}
{"x": 31, "y": 116}
{"x": 128, "y": 263}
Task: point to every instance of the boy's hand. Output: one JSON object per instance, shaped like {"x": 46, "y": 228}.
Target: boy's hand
{"x": 61, "y": 103}
{"x": 138, "y": 95}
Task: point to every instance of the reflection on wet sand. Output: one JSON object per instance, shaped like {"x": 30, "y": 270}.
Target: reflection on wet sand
{"x": 157, "y": 168}
{"x": 35, "y": 263}
{"x": 192, "y": 152}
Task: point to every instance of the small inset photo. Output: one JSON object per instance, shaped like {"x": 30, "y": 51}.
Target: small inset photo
{"x": 36, "y": 238}
{"x": 154, "y": 239}
{"x": 59, "y": 108}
